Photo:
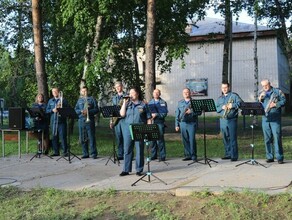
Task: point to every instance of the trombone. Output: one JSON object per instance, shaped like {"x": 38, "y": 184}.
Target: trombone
{"x": 59, "y": 104}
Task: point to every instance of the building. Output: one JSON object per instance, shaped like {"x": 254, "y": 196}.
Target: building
{"x": 203, "y": 65}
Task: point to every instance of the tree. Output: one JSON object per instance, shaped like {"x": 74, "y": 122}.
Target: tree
{"x": 150, "y": 50}
{"x": 39, "y": 49}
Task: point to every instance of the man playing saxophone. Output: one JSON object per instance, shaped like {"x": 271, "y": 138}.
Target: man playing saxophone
{"x": 227, "y": 106}
{"x": 58, "y": 124}
{"x": 272, "y": 100}
{"x": 86, "y": 107}
{"x": 116, "y": 123}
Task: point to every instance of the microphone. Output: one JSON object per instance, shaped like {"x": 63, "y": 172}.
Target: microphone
{"x": 126, "y": 97}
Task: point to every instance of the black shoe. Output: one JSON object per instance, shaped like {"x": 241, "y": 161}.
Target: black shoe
{"x": 233, "y": 159}
{"x": 83, "y": 157}
{"x": 120, "y": 158}
{"x": 153, "y": 158}
{"x": 54, "y": 155}
{"x": 186, "y": 159}
{"x": 139, "y": 174}
{"x": 94, "y": 157}
{"x": 162, "y": 159}
{"x": 226, "y": 158}
{"x": 280, "y": 161}
{"x": 270, "y": 160}
{"x": 65, "y": 154}
{"x": 124, "y": 173}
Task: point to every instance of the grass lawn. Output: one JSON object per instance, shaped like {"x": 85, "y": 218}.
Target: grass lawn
{"x": 174, "y": 147}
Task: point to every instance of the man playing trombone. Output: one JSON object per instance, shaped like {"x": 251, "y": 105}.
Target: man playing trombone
{"x": 227, "y": 106}
{"x": 273, "y": 100}
{"x": 58, "y": 124}
{"x": 86, "y": 107}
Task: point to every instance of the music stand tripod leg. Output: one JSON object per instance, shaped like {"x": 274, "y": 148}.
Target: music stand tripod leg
{"x": 114, "y": 153}
{"x": 148, "y": 173}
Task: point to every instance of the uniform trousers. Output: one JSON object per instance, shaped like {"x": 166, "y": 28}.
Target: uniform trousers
{"x": 228, "y": 129}
{"x": 272, "y": 136}
{"x": 188, "y": 134}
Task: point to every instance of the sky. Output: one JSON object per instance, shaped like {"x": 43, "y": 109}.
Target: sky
{"x": 243, "y": 17}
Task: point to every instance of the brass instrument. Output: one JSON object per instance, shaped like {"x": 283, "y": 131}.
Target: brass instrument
{"x": 59, "y": 104}
{"x": 85, "y": 109}
{"x": 188, "y": 106}
{"x": 227, "y": 110}
{"x": 273, "y": 98}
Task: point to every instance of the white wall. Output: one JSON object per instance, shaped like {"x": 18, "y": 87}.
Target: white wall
{"x": 205, "y": 61}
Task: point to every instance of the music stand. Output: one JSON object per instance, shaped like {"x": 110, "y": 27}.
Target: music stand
{"x": 109, "y": 112}
{"x": 145, "y": 133}
{"x": 252, "y": 109}
{"x": 38, "y": 114}
{"x": 202, "y": 106}
{"x": 68, "y": 112}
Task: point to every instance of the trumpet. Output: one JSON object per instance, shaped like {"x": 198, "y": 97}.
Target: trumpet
{"x": 59, "y": 104}
{"x": 227, "y": 110}
{"x": 85, "y": 109}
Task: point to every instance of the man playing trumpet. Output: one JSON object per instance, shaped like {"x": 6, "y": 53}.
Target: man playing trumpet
{"x": 227, "y": 106}
{"x": 58, "y": 124}
{"x": 272, "y": 100}
{"x": 86, "y": 107}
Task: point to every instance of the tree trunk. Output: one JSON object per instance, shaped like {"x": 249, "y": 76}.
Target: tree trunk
{"x": 226, "y": 42}
{"x": 255, "y": 50}
{"x": 150, "y": 50}
{"x": 286, "y": 44}
{"x": 90, "y": 51}
{"x": 39, "y": 49}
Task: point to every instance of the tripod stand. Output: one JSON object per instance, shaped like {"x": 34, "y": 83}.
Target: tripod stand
{"x": 146, "y": 133}
{"x": 39, "y": 116}
{"x": 67, "y": 113}
{"x": 252, "y": 109}
{"x": 204, "y": 105}
{"x": 109, "y": 112}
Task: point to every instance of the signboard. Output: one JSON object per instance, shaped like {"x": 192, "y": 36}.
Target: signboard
{"x": 198, "y": 87}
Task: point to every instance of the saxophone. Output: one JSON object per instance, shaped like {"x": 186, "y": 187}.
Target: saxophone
{"x": 115, "y": 120}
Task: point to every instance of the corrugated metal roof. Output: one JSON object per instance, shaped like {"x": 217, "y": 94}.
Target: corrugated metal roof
{"x": 215, "y": 25}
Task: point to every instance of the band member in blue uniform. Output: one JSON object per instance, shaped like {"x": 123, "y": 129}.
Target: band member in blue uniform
{"x": 135, "y": 111}
{"x": 41, "y": 123}
{"x": 272, "y": 99}
{"x": 86, "y": 107}
{"x": 227, "y": 106}
{"x": 186, "y": 122}
{"x": 116, "y": 123}
{"x": 158, "y": 109}
{"x": 58, "y": 124}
